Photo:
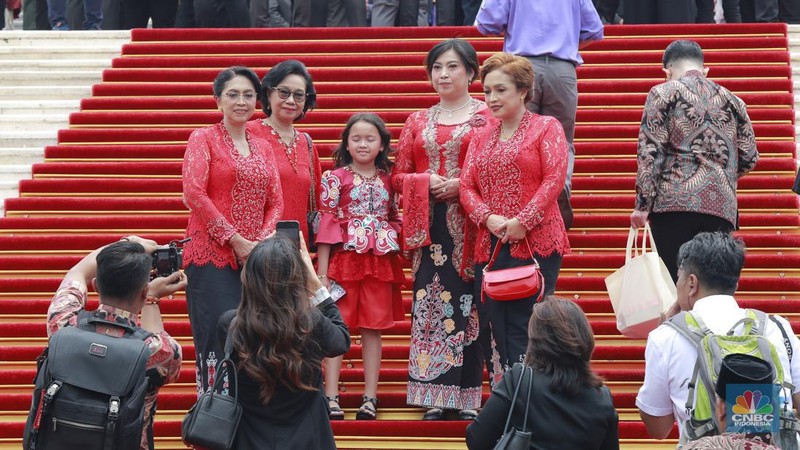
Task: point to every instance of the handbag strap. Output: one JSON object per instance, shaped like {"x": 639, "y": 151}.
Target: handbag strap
{"x": 228, "y": 366}
{"x": 496, "y": 252}
{"x": 528, "y": 402}
{"x": 312, "y": 205}
{"x": 514, "y": 400}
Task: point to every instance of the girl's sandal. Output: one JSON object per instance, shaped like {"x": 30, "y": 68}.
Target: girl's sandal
{"x": 368, "y": 410}
{"x": 336, "y": 412}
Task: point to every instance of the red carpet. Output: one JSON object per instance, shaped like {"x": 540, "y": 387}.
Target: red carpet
{"x": 116, "y": 171}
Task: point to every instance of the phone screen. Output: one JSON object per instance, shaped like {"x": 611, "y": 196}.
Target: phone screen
{"x": 290, "y": 229}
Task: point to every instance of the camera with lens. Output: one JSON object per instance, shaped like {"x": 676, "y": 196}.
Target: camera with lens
{"x": 168, "y": 260}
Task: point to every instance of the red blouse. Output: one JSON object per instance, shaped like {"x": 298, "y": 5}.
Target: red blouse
{"x": 518, "y": 178}
{"x": 294, "y": 166}
{"x": 427, "y": 147}
{"x": 227, "y": 193}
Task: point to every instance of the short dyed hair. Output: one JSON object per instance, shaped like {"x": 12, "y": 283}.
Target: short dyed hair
{"x": 465, "y": 51}
{"x": 518, "y": 68}
{"x": 716, "y": 259}
{"x": 278, "y": 73}
{"x": 232, "y": 72}
{"x": 682, "y": 50}
{"x": 123, "y": 270}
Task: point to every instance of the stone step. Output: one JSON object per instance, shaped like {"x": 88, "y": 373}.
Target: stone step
{"x": 45, "y": 38}
{"x": 21, "y": 155}
{"x": 28, "y": 139}
{"x": 14, "y": 172}
{"x": 37, "y": 105}
{"x": 61, "y": 77}
{"x": 8, "y": 189}
{"x": 55, "y": 92}
{"x": 33, "y": 121}
{"x": 13, "y": 65}
{"x": 77, "y": 51}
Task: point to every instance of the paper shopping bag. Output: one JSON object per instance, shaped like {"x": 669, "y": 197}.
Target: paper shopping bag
{"x": 642, "y": 289}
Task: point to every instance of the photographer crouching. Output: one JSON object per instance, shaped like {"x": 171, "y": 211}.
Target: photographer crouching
{"x": 120, "y": 273}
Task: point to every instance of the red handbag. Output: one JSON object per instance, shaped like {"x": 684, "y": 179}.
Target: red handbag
{"x": 513, "y": 283}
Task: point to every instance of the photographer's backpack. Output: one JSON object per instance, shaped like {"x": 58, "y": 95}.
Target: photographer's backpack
{"x": 711, "y": 348}
{"x": 90, "y": 389}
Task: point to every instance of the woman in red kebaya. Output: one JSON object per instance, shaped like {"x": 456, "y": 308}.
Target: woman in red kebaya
{"x": 445, "y": 366}
{"x": 287, "y": 95}
{"x": 230, "y": 185}
{"x": 513, "y": 174}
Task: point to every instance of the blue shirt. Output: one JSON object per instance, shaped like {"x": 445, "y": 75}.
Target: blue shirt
{"x": 541, "y": 27}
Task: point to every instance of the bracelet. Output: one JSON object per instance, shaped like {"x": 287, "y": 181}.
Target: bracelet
{"x": 152, "y": 300}
{"x": 322, "y": 277}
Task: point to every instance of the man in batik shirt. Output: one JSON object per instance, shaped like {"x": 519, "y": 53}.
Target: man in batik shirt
{"x": 120, "y": 273}
{"x": 695, "y": 142}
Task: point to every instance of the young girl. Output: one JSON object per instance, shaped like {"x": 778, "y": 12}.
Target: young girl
{"x": 357, "y": 246}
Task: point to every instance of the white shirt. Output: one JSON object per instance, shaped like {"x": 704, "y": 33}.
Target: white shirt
{"x": 670, "y": 357}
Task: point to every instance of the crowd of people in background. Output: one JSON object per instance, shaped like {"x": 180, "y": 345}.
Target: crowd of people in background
{"x": 121, "y": 14}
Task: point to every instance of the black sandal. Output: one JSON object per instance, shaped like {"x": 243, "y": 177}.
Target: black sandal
{"x": 335, "y": 412}
{"x": 369, "y": 408}
{"x": 467, "y": 414}
{"x": 434, "y": 414}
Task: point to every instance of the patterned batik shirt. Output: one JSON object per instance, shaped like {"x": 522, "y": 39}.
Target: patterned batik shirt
{"x": 164, "y": 363}
{"x": 695, "y": 141}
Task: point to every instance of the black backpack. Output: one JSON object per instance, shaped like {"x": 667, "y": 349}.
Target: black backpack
{"x": 89, "y": 390}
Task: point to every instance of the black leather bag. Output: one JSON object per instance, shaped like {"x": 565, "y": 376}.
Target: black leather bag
{"x": 513, "y": 439}
{"x": 213, "y": 420}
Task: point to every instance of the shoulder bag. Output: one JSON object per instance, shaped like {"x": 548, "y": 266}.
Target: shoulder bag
{"x": 513, "y": 283}
{"x": 513, "y": 439}
{"x": 213, "y": 421}
{"x": 312, "y": 217}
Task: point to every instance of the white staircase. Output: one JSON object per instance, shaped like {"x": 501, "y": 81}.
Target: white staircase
{"x": 43, "y": 77}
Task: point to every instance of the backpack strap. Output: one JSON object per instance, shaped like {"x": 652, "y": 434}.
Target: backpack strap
{"x": 680, "y": 324}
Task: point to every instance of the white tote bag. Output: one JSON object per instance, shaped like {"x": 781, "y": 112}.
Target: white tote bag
{"x": 641, "y": 290}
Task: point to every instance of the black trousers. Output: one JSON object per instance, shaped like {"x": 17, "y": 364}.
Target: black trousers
{"x": 659, "y": 11}
{"x": 770, "y": 11}
{"x": 136, "y": 13}
{"x": 705, "y": 11}
{"x": 221, "y": 13}
{"x": 673, "y": 229}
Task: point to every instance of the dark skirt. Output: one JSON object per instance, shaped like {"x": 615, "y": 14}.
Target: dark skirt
{"x": 211, "y": 291}
{"x": 445, "y": 363}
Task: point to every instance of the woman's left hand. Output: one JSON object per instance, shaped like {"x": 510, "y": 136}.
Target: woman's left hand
{"x": 514, "y": 231}
{"x": 449, "y": 190}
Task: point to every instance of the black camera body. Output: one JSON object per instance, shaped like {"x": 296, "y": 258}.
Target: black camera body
{"x": 168, "y": 260}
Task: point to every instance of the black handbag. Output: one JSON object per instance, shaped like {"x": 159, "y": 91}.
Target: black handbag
{"x": 513, "y": 439}
{"x": 312, "y": 217}
{"x": 213, "y": 420}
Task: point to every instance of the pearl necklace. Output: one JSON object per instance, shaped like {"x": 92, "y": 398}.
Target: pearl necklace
{"x": 451, "y": 111}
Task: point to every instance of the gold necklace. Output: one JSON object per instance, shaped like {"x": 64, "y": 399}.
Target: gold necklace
{"x": 290, "y": 155}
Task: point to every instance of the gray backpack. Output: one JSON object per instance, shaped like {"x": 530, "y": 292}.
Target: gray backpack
{"x": 90, "y": 389}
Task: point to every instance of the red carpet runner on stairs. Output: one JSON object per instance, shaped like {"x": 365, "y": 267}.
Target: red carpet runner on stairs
{"x": 116, "y": 171}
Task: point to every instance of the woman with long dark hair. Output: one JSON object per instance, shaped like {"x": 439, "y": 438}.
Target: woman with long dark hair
{"x": 570, "y": 408}
{"x": 279, "y": 339}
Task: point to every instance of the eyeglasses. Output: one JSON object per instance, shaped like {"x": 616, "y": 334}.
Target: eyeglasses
{"x": 283, "y": 93}
{"x": 236, "y": 95}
